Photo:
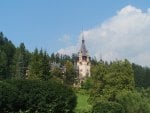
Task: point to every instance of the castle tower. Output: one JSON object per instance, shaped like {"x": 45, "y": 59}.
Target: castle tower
{"x": 83, "y": 62}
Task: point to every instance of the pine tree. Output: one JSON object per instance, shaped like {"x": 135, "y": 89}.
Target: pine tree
{"x": 21, "y": 60}
{"x": 69, "y": 73}
{"x": 34, "y": 65}
{"x": 7, "y": 50}
{"x": 3, "y": 65}
{"x": 45, "y": 66}
{"x": 39, "y": 66}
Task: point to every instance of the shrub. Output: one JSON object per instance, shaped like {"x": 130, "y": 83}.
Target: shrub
{"x": 88, "y": 84}
{"x": 107, "y": 107}
{"x": 36, "y": 96}
{"x": 133, "y": 102}
{"x": 8, "y": 97}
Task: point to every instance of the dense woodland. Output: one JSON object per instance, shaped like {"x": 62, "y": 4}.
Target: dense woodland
{"x": 30, "y": 82}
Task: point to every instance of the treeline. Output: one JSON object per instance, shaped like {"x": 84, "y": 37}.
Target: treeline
{"x": 113, "y": 89}
{"x": 35, "y": 82}
{"x": 34, "y": 96}
{"x": 141, "y": 76}
{"x": 19, "y": 63}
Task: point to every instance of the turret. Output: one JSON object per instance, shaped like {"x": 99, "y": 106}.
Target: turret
{"x": 83, "y": 63}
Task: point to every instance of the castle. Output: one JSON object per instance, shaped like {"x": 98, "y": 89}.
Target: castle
{"x": 83, "y": 63}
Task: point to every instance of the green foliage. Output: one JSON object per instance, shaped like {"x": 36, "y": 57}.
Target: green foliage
{"x": 88, "y": 84}
{"x": 36, "y": 96}
{"x": 112, "y": 85}
{"x": 145, "y": 94}
{"x": 39, "y": 67}
{"x": 121, "y": 75}
{"x": 57, "y": 73}
{"x": 114, "y": 82}
{"x": 133, "y": 102}
{"x": 111, "y": 79}
{"x": 141, "y": 75}
{"x": 107, "y": 107}
{"x": 7, "y": 50}
{"x": 35, "y": 65}
{"x": 21, "y": 61}
{"x": 3, "y": 65}
{"x": 62, "y": 59}
{"x": 82, "y": 102}
{"x": 8, "y": 97}
{"x": 45, "y": 68}
{"x": 69, "y": 73}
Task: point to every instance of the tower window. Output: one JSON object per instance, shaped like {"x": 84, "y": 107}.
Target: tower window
{"x": 84, "y": 58}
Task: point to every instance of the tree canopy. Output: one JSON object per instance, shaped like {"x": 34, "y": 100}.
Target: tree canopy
{"x": 26, "y": 82}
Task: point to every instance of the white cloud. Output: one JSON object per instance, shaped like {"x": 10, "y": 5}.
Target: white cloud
{"x": 148, "y": 10}
{"x": 129, "y": 10}
{"x": 125, "y": 35}
{"x": 65, "y": 39}
{"x": 69, "y": 50}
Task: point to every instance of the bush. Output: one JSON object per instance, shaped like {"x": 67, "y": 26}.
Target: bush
{"x": 107, "y": 107}
{"x": 36, "y": 96}
{"x": 133, "y": 102}
{"x": 88, "y": 84}
{"x": 8, "y": 97}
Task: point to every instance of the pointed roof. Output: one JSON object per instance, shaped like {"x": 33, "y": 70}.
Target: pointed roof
{"x": 83, "y": 49}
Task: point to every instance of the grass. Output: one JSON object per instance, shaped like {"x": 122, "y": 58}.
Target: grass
{"x": 82, "y": 105}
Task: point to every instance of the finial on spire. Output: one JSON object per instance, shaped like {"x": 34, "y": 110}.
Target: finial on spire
{"x": 82, "y": 36}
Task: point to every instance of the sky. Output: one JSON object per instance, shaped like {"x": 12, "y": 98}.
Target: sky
{"x": 113, "y": 29}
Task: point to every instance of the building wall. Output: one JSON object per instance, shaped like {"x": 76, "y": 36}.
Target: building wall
{"x": 83, "y": 67}
{"x": 83, "y": 64}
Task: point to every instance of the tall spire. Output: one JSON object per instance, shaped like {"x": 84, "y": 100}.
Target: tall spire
{"x": 83, "y": 49}
{"x": 82, "y": 36}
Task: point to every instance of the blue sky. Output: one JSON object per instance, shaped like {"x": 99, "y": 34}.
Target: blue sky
{"x": 41, "y": 23}
{"x": 56, "y": 24}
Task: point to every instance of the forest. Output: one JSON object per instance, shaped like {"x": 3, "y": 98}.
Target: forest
{"x": 38, "y": 82}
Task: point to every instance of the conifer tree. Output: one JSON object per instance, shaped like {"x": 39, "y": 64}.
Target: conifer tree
{"x": 45, "y": 66}
{"x": 69, "y": 73}
{"x": 21, "y": 60}
{"x": 7, "y": 50}
{"x": 3, "y": 65}
{"x": 34, "y": 65}
{"x": 39, "y": 66}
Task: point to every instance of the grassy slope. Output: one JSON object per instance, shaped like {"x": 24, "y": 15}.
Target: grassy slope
{"x": 82, "y": 104}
